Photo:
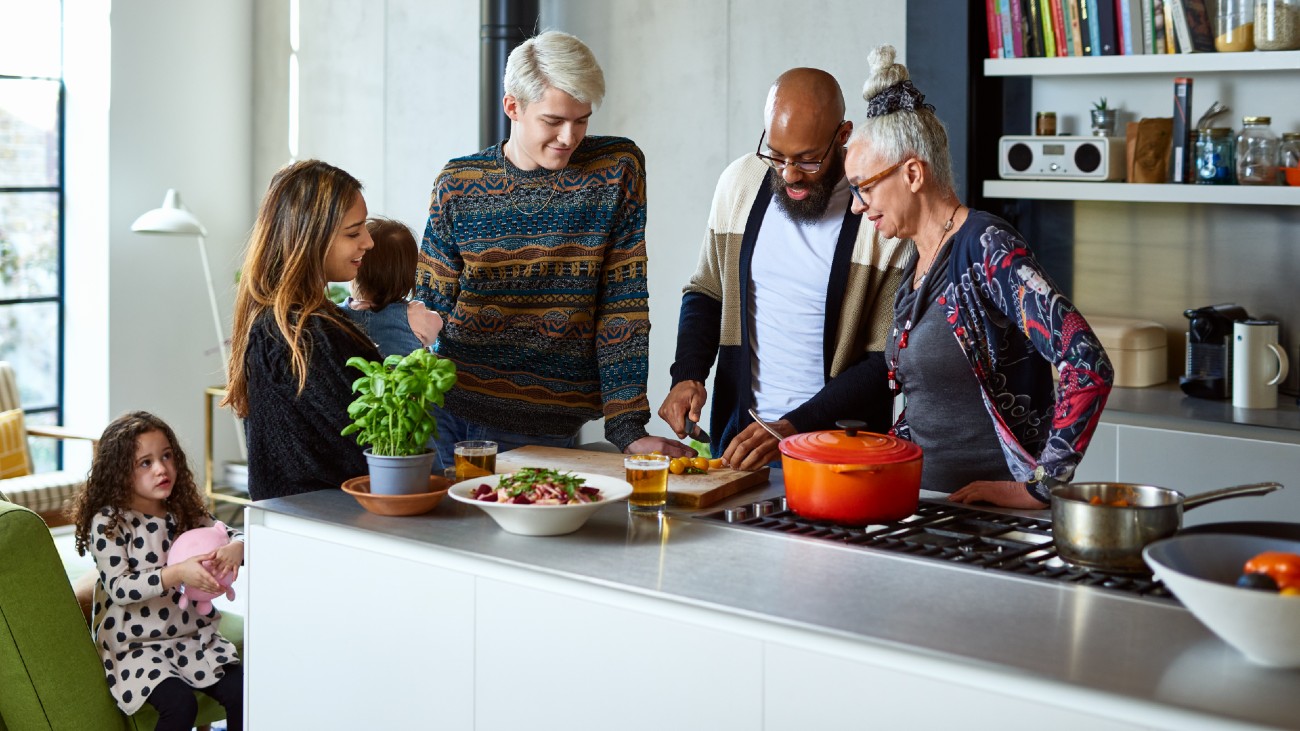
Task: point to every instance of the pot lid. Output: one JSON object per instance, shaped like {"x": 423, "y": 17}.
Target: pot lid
{"x": 850, "y": 446}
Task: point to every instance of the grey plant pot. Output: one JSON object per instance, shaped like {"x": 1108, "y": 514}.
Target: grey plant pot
{"x": 400, "y": 475}
{"x": 1103, "y": 122}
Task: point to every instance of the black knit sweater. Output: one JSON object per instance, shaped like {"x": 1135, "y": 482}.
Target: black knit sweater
{"x": 294, "y": 443}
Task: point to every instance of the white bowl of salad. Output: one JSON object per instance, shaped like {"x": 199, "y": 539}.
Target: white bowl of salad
{"x": 540, "y": 502}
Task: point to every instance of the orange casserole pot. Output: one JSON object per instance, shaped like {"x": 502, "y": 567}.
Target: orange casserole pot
{"x": 851, "y": 477}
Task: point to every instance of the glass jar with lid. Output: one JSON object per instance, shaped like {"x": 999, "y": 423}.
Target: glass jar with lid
{"x": 1257, "y": 148}
{"x": 1277, "y": 25}
{"x": 1214, "y": 157}
{"x": 1234, "y": 28}
{"x": 1289, "y": 157}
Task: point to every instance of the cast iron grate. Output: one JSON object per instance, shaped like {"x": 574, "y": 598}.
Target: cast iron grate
{"x": 948, "y": 532}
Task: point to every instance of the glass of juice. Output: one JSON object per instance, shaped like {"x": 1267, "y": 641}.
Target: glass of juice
{"x": 648, "y": 474}
{"x": 475, "y": 459}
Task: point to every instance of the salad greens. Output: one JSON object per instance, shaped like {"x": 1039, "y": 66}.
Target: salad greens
{"x": 527, "y": 478}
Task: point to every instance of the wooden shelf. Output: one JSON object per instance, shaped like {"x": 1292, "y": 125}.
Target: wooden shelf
{"x": 1144, "y": 193}
{"x": 1177, "y": 63}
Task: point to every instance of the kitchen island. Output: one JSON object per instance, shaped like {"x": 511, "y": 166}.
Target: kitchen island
{"x": 445, "y": 621}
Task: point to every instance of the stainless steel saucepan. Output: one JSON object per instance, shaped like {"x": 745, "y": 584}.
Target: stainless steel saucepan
{"x": 1105, "y": 525}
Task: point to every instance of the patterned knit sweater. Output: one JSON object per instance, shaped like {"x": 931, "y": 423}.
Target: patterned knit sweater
{"x": 540, "y": 277}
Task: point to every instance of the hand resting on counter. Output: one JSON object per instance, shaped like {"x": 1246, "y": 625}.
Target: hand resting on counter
{"x": 1002, "y": 493}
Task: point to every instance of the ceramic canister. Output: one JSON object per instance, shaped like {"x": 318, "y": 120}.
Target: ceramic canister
{"x": 1258, "y": 364}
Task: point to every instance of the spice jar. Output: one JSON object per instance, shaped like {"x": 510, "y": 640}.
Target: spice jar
{"x": 1289, "y": 157}
{"x": 1235, "y": 26}
{"x": 1257, "y": 148}
{"x": 1213, "y": 162}
{"x": 1045, "y": 124}
{"x": 1277, "y": 25}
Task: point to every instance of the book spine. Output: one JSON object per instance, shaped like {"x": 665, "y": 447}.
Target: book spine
{"x": 1107, "y": 37}
{"x": 1179, "y": 15}
{"x": 1171, "y": 35}
{"x": 1200, "y": 32}
{"x": 1058, "y": 27}
{"x": 1004, "y": 14}
{"x": 1049, "y": 36}
{"x": 1148, "y": 26}
{"x": 1181, "y": 159}
{"x": 1158, "y": 26}
{"x": 1017, "y": 29}
{"x": 1121, "y": 15}
{"x": 1076, "y": 35}
{"x": 1033, "y": 29}
{"x": 995, "y": 28}
{"x": 1091, "y": 32}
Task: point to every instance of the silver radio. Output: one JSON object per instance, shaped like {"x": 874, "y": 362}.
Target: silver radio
{"x": 1030, "y": 157}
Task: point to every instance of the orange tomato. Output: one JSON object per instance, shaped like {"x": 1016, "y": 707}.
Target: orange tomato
{"x": 715, "y": 464}
{"x": 678, "y": 465}
{"x": 1284, "y": 568}
{"x": 700, "y": 463}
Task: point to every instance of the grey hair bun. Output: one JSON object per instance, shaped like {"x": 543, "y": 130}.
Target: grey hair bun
{"x": 884, "y": 72}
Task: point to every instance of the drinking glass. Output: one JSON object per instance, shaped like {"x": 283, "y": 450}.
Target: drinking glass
{"x": 475, "y": 459}
{"x": 648, "y": 474}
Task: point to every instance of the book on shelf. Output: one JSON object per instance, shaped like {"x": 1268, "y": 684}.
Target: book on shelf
{"x": 1191, "y": 26}
{"x": 1171, "y": 38}
{"x": 994, "y": 28}
{"x": 1080, "y": 8}
{"x": 1073, "y": 43}
{"x": 1106, "y": 37}
{"x": 1130, "y": 27}
{"x": 1045, "y": 18}
{"x": 1033, "y": 29}
{"x": 1180, "y": 160}
{"x": 1017, "y": 29}
{"x": 1158, "y": 26}
{"x": 1148, "y": 26}
{"x": 1059, "y": 25}
{"x": 1004, "y": 15}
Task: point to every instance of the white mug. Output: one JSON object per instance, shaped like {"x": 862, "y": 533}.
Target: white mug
{"x": 1258, "y": 364}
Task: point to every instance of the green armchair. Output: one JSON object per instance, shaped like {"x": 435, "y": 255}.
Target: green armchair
{"x": 50, "y": 673}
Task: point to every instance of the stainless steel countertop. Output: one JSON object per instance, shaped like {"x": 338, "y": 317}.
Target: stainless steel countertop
{"x": 1076, "y": 635}
{"x": 1166, "y": 407}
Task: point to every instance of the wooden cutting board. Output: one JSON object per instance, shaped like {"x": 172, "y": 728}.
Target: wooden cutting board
{"x": 685, "y": 491}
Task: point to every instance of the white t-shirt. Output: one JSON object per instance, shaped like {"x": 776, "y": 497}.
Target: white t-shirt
{"x": 789, "y": 274}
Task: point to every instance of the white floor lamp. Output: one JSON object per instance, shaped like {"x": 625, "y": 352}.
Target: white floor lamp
{"x": 173, "y": 218}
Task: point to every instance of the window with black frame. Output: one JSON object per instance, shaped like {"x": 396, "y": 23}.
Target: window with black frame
{"x": 31, "y": 209}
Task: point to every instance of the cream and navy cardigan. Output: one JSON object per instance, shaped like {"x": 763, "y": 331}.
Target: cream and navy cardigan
{"x": 865, "y": 272}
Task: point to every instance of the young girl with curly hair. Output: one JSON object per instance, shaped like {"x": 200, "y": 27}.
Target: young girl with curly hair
{"x": 140, "y": 495}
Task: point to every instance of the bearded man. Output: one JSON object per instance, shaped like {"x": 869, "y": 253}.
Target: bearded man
{"x": 792, "y": 295}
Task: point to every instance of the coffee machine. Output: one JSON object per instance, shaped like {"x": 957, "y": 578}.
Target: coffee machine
{"x": 1209, "y": 350}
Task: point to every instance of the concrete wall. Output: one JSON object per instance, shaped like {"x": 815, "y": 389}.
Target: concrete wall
{"x": 389, "y": 92}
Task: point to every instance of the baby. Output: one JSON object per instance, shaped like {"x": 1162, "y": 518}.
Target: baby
{"x": 379, "y": 303}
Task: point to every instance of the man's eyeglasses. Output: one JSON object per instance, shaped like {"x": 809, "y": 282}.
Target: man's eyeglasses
{"x": 857, "y": 189}
{"x": 779, "y": 164}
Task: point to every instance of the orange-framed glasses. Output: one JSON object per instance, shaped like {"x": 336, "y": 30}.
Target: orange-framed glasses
{"x": 857, "y": 189}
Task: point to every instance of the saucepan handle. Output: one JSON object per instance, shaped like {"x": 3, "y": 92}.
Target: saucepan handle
{"x": 1262, "y": 488}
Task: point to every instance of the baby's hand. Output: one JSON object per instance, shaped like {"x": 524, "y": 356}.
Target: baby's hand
{"x": 229, "y": 558}
{"x": 425, "y": 323}
{"x": 193, "y": 573}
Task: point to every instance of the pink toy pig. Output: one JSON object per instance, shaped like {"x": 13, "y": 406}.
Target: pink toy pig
{"x": 196, "y": 542}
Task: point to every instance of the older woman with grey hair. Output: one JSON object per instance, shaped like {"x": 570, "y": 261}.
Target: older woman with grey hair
{"x": 977, "y": 323}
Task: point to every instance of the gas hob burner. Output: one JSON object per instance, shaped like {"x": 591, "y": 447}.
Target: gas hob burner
{"x": 944, "y": 531}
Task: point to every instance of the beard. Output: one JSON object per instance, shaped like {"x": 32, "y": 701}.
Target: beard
{"x": 812, "y": 208}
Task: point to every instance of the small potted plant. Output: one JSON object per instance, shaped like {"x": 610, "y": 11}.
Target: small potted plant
{"x": 392, "y": 414}
{"x": 1103, "y": 119}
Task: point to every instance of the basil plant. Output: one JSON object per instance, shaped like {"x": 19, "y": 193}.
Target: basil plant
{"x": 393, "y": 411}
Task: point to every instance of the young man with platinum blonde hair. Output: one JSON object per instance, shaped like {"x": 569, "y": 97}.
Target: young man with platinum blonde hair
{"x": 535, "y": 256}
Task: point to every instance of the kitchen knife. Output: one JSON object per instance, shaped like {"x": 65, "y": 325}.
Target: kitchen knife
{"x": 694, "y": 431}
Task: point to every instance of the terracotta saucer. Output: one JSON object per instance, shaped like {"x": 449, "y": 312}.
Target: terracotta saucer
{"x": 359, "y": 488}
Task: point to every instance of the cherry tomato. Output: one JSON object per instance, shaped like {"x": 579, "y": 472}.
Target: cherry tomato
{"x": 677, "y": 465}
{"x": 700, "y": 463}
{"x": 715, "y": 464}
{"x": 1284, "y": 568}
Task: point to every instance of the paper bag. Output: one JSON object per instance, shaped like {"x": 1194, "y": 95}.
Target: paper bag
{"x": 1149, "y": 144}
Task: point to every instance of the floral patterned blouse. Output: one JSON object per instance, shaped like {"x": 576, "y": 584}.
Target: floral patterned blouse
{"x": 1011, "y": 322}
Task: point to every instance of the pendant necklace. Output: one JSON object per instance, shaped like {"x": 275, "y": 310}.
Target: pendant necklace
{"x": 510, "y": 192}
{"x": 901, "y": 334}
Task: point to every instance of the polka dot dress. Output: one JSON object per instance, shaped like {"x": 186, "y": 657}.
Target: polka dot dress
{"x": 143, "y": 635}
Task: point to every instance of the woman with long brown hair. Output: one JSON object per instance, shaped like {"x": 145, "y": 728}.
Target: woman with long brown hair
{"x": 288, "y": 376}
